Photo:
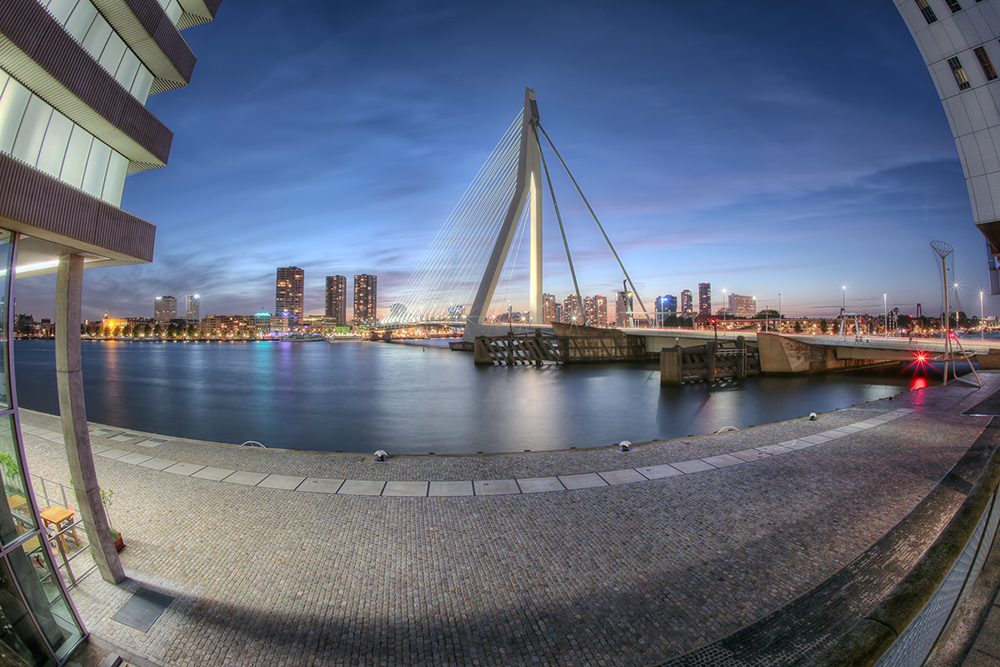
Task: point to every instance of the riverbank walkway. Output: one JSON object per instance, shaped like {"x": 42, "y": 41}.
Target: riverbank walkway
{"x": 581, "y": 557}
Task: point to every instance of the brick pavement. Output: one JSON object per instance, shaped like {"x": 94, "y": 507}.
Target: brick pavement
{"x": 617, "y": 574}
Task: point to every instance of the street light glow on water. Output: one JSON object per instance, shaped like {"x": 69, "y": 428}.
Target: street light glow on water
{"x": 409, "y": 399}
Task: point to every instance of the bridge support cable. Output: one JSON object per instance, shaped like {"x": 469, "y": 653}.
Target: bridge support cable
{"x": 599, "y": 225}
{"x": 562, "y": 230}
{"x": 447, "y": 275}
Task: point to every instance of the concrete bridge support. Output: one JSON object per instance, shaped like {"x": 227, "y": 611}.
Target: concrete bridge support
{"x": 786, "y": 356}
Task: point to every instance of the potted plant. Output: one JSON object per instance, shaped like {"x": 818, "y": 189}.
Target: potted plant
{"x": 106, "y": 496}
{"x": 11, "y": 473}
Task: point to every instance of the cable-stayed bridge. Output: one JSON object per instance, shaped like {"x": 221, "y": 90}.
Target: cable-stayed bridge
{"x": 457, "y": 279}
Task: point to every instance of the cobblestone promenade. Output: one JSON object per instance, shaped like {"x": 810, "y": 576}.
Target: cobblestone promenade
{"x": 526, "y": 559}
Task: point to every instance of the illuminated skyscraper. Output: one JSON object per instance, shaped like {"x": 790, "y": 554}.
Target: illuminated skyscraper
{"x": 365, "y": 299}
{"x": 601, "y": 311}
{"x": 289, "y": 293}
{"x": 571, "y": 310}
{"x": 336, "y": 299}
{"x": 164, "y": 309}
{"x": 741, "y": 306}
{"x": 666, "y": 306}
{"x": 623, "y": 309}
{"x": 192, "y": 308}
{"x": 549, "y": 309}
{"x": 687, "y": 303}
{"x": 705, "y": 299}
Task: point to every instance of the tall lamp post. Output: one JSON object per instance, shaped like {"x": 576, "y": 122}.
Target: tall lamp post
{"x": 781, "y": 328}
{"x": 982, "y": 317}
{"x": 885, "y": 312}
{"x": 843, "y": 314}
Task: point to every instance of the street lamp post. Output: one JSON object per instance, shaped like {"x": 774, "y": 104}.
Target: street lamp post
{"x": 781, "y": 328}
{"x": 885, "y": 312}
{"x": 843, "y": 314}
{"x": 982, "y": 317}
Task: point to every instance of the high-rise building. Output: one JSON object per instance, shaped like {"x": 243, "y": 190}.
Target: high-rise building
{"x": 548, "y": 309}
{"x": 164, "y": 309}
{"x": 623, "y": 309}
{"x": 687, "y": 303}
{"x": 571, "y": 310}
{"x": 289, "y": 293}
{"x": 192, "y": 308}
{"x": 74, "y": 78}
{"x": 600, "y": 310}
{"x": 365, "y": 299}
{"x": 666, "y": 306}
{"x": 705, "y": 298}
{"x": 742, "y": 306}
{"x": 336, "y": 299}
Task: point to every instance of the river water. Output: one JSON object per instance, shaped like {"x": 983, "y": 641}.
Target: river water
{"x": 408, "y": 399}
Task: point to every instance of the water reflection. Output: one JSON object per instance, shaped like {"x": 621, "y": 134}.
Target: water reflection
{"x": 359, "y": 396}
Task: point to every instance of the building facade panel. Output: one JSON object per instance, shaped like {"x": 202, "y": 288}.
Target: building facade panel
{"x": 43, "y": 46}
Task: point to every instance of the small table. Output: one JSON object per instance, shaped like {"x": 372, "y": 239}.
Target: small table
{"x": 16, "y": 502}
{"x": 57, "y": 516}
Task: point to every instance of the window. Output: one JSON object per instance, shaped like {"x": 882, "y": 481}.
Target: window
{"x": 960, "y": 78}
{"x": 928, "y": 13}
{"x": 954, "y": 6}
{"x": 984, "y": 62}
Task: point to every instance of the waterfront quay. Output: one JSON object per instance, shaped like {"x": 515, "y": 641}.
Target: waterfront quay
{"x": 582, "y": 557}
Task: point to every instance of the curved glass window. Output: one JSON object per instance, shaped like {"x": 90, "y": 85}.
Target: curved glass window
{"x": 38, "y": 135}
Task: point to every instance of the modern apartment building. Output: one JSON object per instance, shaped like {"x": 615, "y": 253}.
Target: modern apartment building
{"x": 336, "y": 299}
{"x": 705, "y": 299}
{"x": 192, "y": 307}
{"x": 164, "y": 309}
{"x": 74, "y": 79}
{"x": 289, "y": 293}
{"x": 365, "y": 299}
{"x": 958, "y": 41}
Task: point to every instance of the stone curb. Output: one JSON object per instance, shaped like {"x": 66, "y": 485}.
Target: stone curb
{"x": 870, "y": 637}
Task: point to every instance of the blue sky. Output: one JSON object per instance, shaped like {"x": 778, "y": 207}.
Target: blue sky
{"x": 767, "y": 148}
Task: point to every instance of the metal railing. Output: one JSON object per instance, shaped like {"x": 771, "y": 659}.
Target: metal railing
{"x": 49, "y": 493}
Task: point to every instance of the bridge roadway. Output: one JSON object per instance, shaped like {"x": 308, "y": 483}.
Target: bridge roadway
{"x": 632, "y": 558}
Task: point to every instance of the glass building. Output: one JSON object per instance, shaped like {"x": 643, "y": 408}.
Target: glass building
{"x": 74, "y": 79}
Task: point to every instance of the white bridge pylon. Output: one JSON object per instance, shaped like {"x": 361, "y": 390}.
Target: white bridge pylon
{"x": 528, "y": 190}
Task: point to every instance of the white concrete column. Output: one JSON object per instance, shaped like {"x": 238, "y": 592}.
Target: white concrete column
{"x": 72, "y": 410}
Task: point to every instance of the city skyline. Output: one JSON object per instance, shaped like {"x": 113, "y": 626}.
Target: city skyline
{"x": 772, "y": 167}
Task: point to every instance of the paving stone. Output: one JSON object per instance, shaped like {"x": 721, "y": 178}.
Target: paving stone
{"x": 441, "y": 489}
{"x": 800, "y": 443}
{"x": 833, "y": 434}
{"x": 540, "y": 484}
{"x": 112, "y": 453}
{"x": 245, "y": 478}
{"x": 495, "y": 487}
{"x": 186, "y": 469}
{"x": 157, "y": 464}
{"x": 286, "y": 482}
{"x": 320, "y": 485}
{"x": 659, "y": 472}
{"x": 723, "y": 460}
{"x": 405, "y": 489}
{"x": 775, "y": 449}
{"x": 361, "y": 487}
{"x": 751, "y": 454}
{"x": 621, "y": 476}
{"x": 152, "y": 442}
{"x": 134, "y": 459}
{"x": 125, "y": 437}
{"x": 815, "y": 439}
{"x": 214, "y": 474}
{"x": 97, "y": 449}
{"x": 697, "y": 465}
{"x": 584, "y": 481}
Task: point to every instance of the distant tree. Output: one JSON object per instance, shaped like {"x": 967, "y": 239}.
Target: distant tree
{"x": 798, "y": 326}
{"x": 823, "y": 325}
{"x": 157, "y": 330}
{"x": 767, "y": 314}
{"x": 904, "y": 321}
{"x": 190, "y": 330}
{"x": 171, "y": 330}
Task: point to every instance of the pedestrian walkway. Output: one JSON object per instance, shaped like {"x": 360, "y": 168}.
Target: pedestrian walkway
{"x": 633, "y": 558}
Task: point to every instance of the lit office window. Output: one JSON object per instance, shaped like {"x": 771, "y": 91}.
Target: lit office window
{"x": 984, "y": 62}
{"x": 960, "y": 78}
{"x": 954, "y": 6}
{"x": 926, "y": 10}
